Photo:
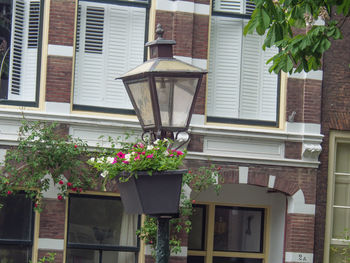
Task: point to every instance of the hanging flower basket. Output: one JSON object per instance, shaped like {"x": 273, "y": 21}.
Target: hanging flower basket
{"x": 156, "y": 194}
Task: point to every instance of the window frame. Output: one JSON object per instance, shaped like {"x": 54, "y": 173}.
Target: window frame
{"x": 335, "y": 137}
{"x": 208, "y": 252}
{"x": 100, "y": 248}
{"x": 29, "y": 244}
{"x": 241, "y": 121}
{"x": 34, "y": 103}
{"x": 137, "y": 3}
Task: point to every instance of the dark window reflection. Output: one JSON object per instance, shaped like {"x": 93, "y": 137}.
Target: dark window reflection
{"x": 195, "y": 259}
{"x": 238, "y": 229}
{"x": 236, "y": 260}
{"x": 196, "y": 237}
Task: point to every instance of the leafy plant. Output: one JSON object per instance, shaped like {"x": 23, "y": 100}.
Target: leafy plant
{"x": 297, "y": 51}
{"x": 341, "y": 253}
{"x": 132, "y": 157}
{"x": 49, "y": 257}
{"x": 45, "y": 152}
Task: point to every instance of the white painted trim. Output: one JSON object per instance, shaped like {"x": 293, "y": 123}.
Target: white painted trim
{"x": 50, "y": 243}
{"x": 57, "y": 107}
{"x": 296, "y": 204}
{"x": 59, "y": 50}
{"x": 2, "y": 155}
{"x": 53, "y": 191}
{"x": 183, "y": 6}
{"x": 197, "y": 119}
{"x": 182, "y": 253}
{"x": 272, "y": 179}
{"x": 299, "y": 257}
{"x": 317, "y": 75}
{"x": 243, "y": 175}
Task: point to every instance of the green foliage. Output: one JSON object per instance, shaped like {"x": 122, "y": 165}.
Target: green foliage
{"x": 124, "y": 159}
{"x": 297, "y": 52}
{"x": 49, "y": 257}
{"x": 44, "y": 152}
{"x": 341, "y": 253}
{"x": 199, "y": 181}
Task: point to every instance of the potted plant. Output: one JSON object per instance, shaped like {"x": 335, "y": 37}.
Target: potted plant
{"x": 148, "y": 176}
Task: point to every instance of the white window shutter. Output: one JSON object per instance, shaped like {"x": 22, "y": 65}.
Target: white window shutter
{"x": 24, "y": 50}
{"x": 121, "y": 49}
{"x": 258, "y": 87}
{"x": 233, "y": 6}
{"x": 224, "y": 67}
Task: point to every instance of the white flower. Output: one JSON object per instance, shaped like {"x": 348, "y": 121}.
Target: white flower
{"x": 104, "y": 174}
{"x": 99, "y": 160}
{"x": 92, "y": 159}
{"x": 127, "y": 157}
{"x": 150, "y": 147}
{"x": 166, "y": 153}
{"x": 110, "y": 160}
{"x": 156, "y": 142}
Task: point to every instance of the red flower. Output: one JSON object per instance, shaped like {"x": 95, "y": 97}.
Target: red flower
{"x": 80, "y": 190}
{"x": 9, "y": 192}
{"x": 35, "y": 205}
{"x": 60, "y": 197}
{"x": 60, "y": 182}
{"x": 69, "y": 184}
{"x": 74, "y": 189}
{"x": 75, "y": 146}
{"x": 219, "y": 168}
{"x": 193, "y": 201}
{"x": 189, "y": 172}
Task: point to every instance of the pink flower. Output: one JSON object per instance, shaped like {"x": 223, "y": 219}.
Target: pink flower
{"x": 69, "y": 184}
{"x": 137, "y": 157}
{"x": 74, "y": 189}
{"x": 60, "y": 182}
{"x": 149, "y": 156}
{"x": 143, "y": 153}
{"x": 171, "y": 155}
{"x": 179, "y": 153}
{"x": 121, "y": 155}
{"x": 126, "y": 162}
{"x": 140, "y": 145}
{"x": 75, "y": 146}
{"x": 9, "y": 192}
{"x": 60, "y": 197}
{"x": 115, "y": 160}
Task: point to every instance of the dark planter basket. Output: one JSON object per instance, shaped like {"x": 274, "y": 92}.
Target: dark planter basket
{"x": 158, "y": 194}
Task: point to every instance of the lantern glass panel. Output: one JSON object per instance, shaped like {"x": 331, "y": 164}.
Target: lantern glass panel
{"x": 141, "y": 97}
{"x": 175, "y": 98}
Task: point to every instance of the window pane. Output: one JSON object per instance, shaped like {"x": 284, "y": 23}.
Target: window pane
{"x": 82, "y": 256}
{"x": 196, "y": 237}
{"x": 100, "y": 221}
{"x": 342, "y": 190}
{"x": 236, "y": 260}
{"x": 14, "y": 254}
{"x": 339, "y": 254}
{"x": 238, "y": 229}
{"x": 16, "y": 215}
{"x": 195, "y": 259}
{"x": 341, "y": 222}
{"x": 343, "y": 157}
{"x": 116, "y": 256}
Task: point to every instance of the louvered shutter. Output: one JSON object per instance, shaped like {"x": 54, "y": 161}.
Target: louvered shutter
{"x": 224, "y": 67}
{"x": 24, "y": 50}
{"x": 234, "y": 6}
{"x": 107, "y": 50}
{"x": 258, "y": 98}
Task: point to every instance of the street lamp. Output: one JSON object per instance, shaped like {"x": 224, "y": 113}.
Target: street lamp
{"x": 163, "y": 91}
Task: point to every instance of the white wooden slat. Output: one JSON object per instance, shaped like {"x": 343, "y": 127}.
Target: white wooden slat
{"x": 24, "y": 50}
{"x": 234, "y": 6}
{"x": 224, "y": 67}
{"x": 123, "y": 48}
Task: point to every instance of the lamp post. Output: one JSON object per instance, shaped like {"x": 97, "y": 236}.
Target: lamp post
{"x": 163, "y": 91}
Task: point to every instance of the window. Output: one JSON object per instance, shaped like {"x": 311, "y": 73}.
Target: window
{"x": 227, "y": 234}
{"x": 338, "y": 210}
{"x": 240, "y": 88}
{"x": 16, "y": 228}
{"x": 99, "y": 231}
{"x": 110, "y": 41}
{"x": 20, "y": 22}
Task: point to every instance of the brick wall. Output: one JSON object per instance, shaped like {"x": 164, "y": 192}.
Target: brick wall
{"x": 59, "y": 79}
{"x": 335, "y": 116}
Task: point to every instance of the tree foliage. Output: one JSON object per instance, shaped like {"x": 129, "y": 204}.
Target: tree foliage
{"x": 278, "y": 18}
